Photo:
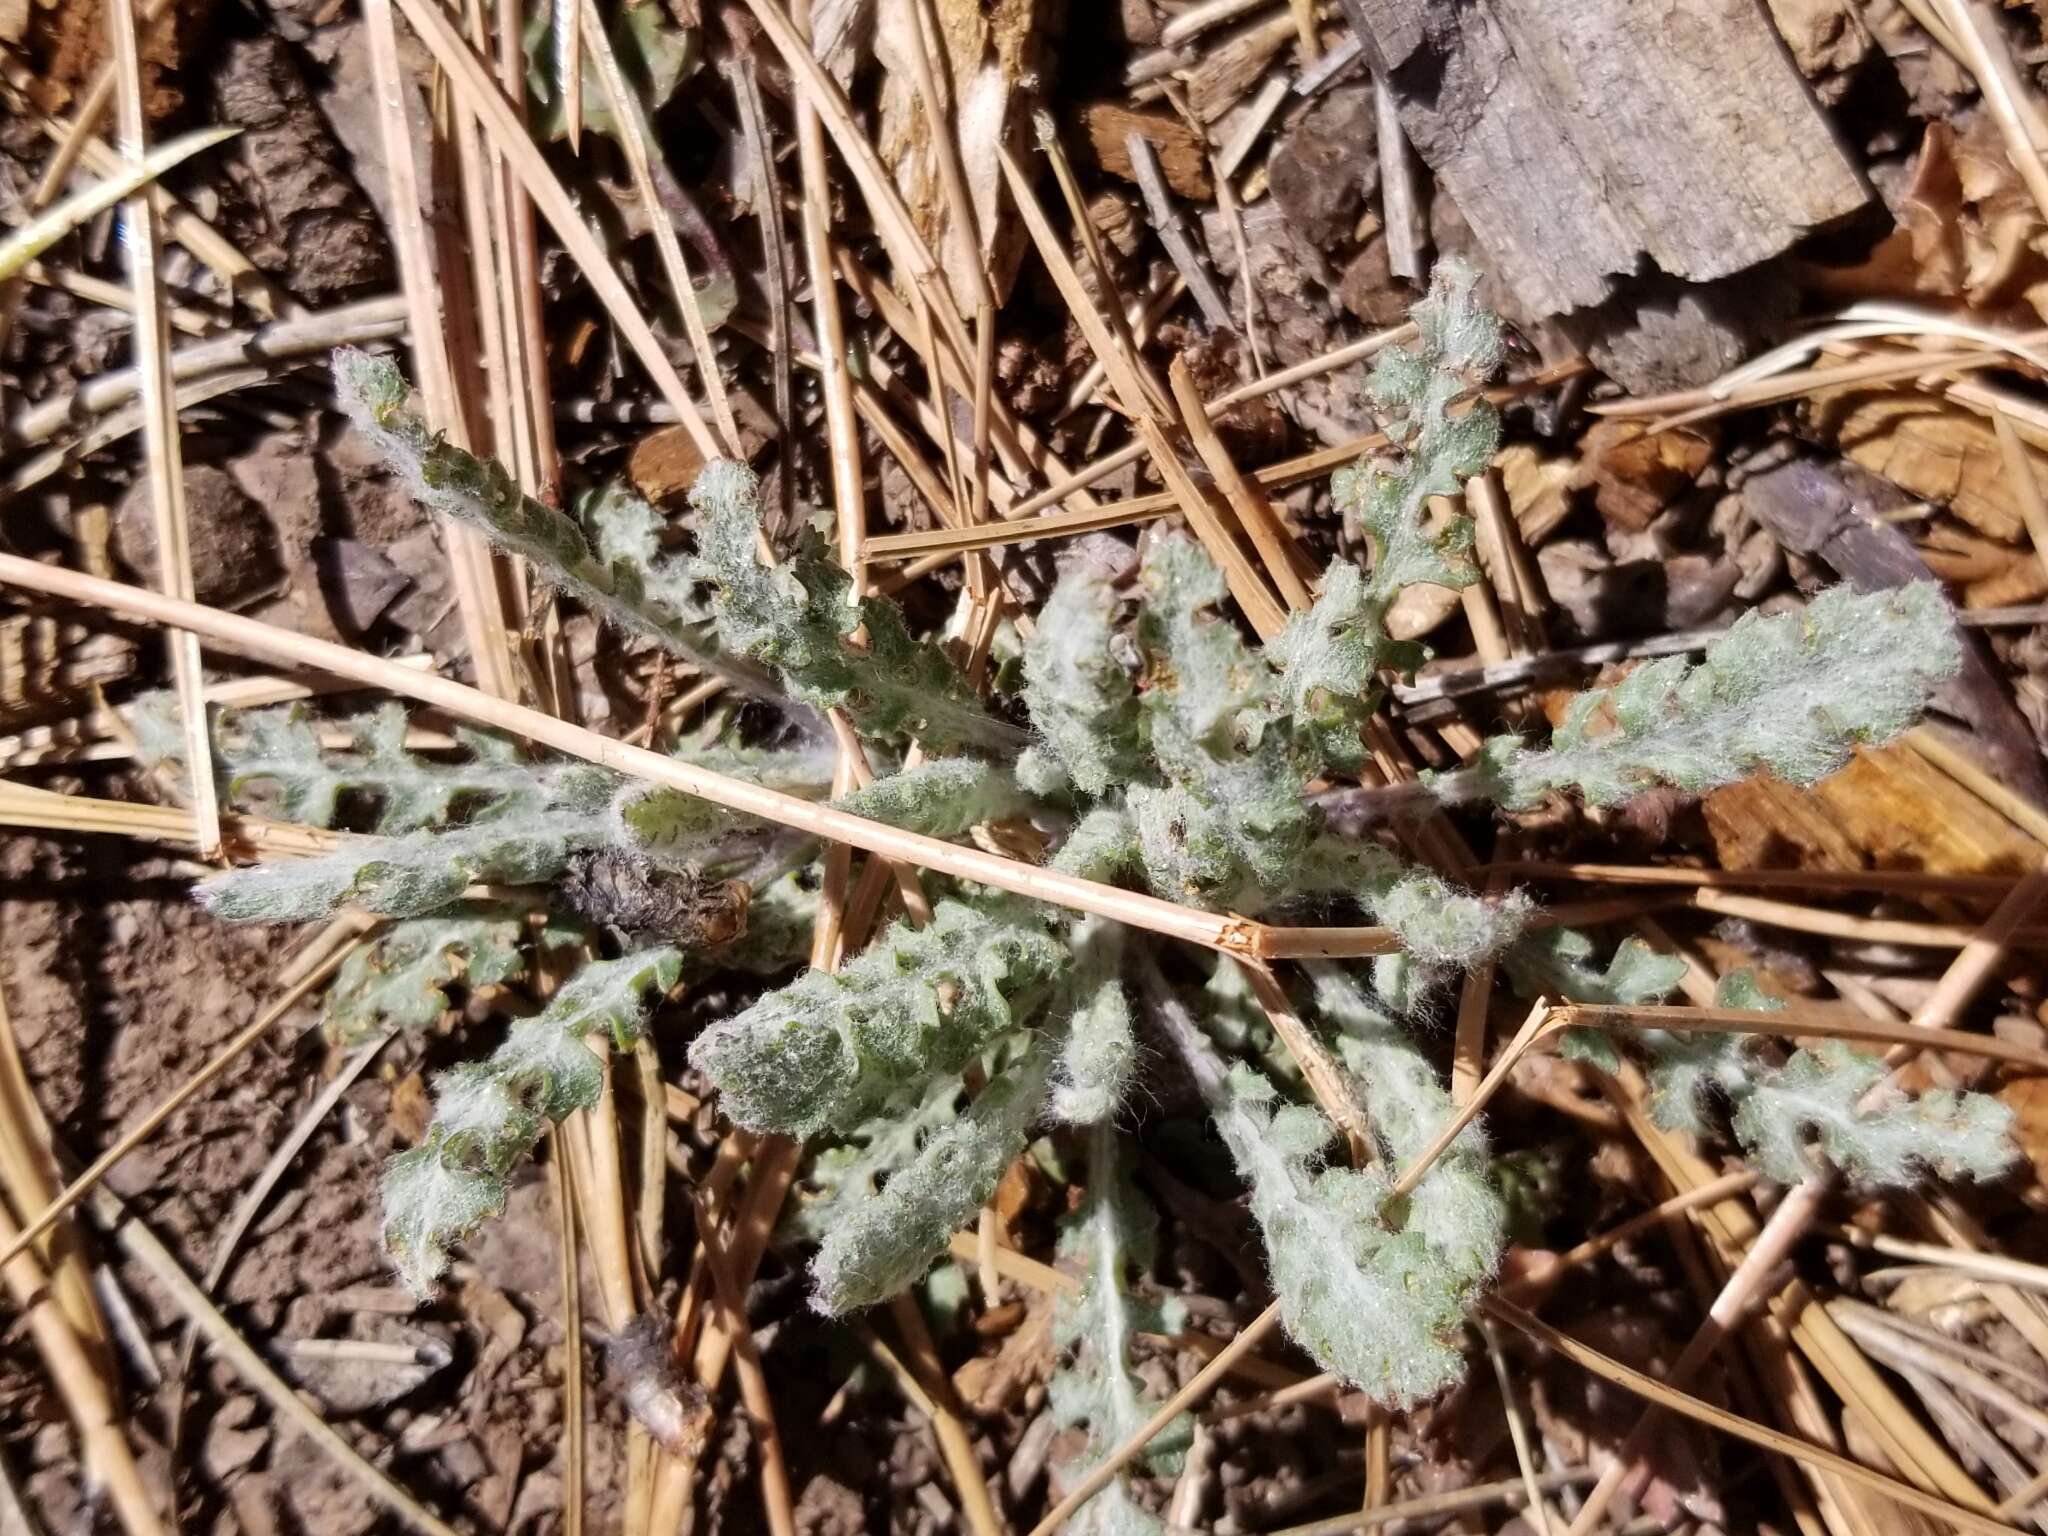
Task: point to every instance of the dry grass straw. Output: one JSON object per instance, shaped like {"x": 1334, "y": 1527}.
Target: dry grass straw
{"x": 1788, "y": 1224}
{"x": 1319, "y": 1069}
{"x": 1800, "y": 1022}
{"x": 1430, "y": 1510}
{"x": 922, "y": 1375}
{"x": 1518, "y": 1434}
{"x": 1027, "y": 520}
{"x": 1730, "y": 1227}
{"x": 828, "y": 320}
{"x": 1023, "y": 452}
{"x": 518, "y": 252}
{"x": 1475, "y": 1006}
{"x": 165, "y": 460}
{"x": 635, "y": 137}
{"x": 84, "y": 1391}
{"x": 29, "y": 1172}
{"x": 776, "y": 1496}
{"x": 1844, "y": 925}
{"x": 23, "y": 805}
{"x": 1981, "y": 48}
{"x": 1233, "y": 935}
{"x": 33, "y": 471}
{"x": 46, "y": 229}
{"x": 1143, "y": 400}
{"x": 740, "y": 73}
{"x": 1802, "y": 1451}
{"x": 471, "y": 564}
{"x": 1908, "y": 882}
{"x": 1936, "y": 747}
{"x": 236, "y": 273}
{"x": 354, "y": 324}
{"x": 52, "y": 1285}
{"x": 569, "y": 1273}
{"x": 508, "y": 135}
{"x": 1283, "y": 557}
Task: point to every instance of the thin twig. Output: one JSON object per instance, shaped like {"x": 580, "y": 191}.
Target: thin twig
{"x": 1249, "y": 589}
{"x": 164, "y": 456}
{"x": 320, "y": 330}
{"x": 251, "y": 1202}
{"x": 776, "y": 1498}
{"x": 1540, "y": 1023}
{"x": 1199, "y": 1385}
{"x": 1653, "y": 1391}
{"x": 635, "y": 136}
{"x": 471, "y": 564}
{"x": 507, "y": 131}
{"x": 105, "y": 1453}
{"x": 569, "y": 1269}
{"x": 1168, "y": 225}
{"x": 1234, "y": 935}
{"x": 1788, "y": 1224}
{"x": 1400, "y": 208}
{"x": 921, "y": 1361}
{"x": 1518, "y": 1430}
{"x": 739, "y": 71}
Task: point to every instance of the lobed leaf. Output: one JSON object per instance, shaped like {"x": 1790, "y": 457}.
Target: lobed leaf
{"x": 1095, "y": 1386}
{"x": 1790, "y": 694}
{"x": 829, "y": 1049}
{"x": 489, "y": 1114}
{"x": 399, "y": 979}
{"x": 879, "y": 1243}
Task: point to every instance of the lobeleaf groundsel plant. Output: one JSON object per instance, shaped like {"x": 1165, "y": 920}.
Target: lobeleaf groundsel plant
{"x": 1146, "y": 741}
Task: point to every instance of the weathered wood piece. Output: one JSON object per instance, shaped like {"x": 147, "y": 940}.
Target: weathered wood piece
{"x": 988, "y": 59}
{"x": 1584, "y": 141}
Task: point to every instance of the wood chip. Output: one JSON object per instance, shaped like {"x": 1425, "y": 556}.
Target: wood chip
{"x": 1926, "y": 446}
{"x": 1182, "y": 155}
{"x": 1889, "y": 809}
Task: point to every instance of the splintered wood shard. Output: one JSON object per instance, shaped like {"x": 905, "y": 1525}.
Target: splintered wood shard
{"x": 1580, "y": 139}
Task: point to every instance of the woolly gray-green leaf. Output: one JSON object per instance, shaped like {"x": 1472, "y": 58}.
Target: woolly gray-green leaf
{"x": 1081, "y": 700}
{"x": 1096, "y": 1386}
{"x": 1439, "y": 450}
{"x": 795, "y": 617}
{"x": 1437, "y": 923}
{"x": 1790, "y": 694}
{"x": 830, "y": 1048}
{"x": 879, "y": 1244}
{"x": 1102, "y": 845}
{"x": 1229, "y": 825}
{"x": 840, "y": 1176}
{"x": 1455, "y": 1208}
{"x": 488, "y": 1114}
{"x": 430, "y": 1204}
{"x": 1100, "y": 1051}
{"x": 399, "y": 876}
{"x": 941, "y": 798}
{"x": 399, "y": 979}
{"x": 1558, "y": 962}
{"x": 1872, "y": 1132}
{"x": 1330, "y": 659}
{"x": 1380, "y": 1308}
{"x": 481, "y": 493}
